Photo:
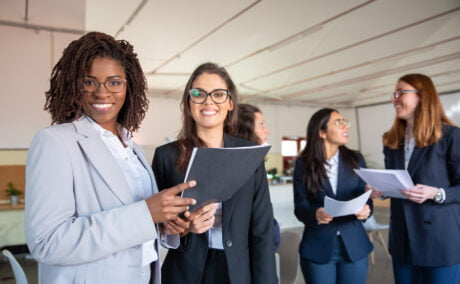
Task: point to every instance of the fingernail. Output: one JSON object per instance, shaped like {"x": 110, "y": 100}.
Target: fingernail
{"x": 193, "y": 201}
{"x": 192, "y": 183}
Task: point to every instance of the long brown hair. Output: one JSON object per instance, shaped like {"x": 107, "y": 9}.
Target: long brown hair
{"x": 429, "y": 115}
{"x": 314, "y": 153}
{"x": 188, "y": 138}
{"x": 64, "y": 98}
{"x": 246, "y": 122}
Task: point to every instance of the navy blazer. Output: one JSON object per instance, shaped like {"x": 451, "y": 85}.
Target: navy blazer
{"x": 428, "y": 234}
{"x": 318, "y": 240}
{"x": 247, "y": 227}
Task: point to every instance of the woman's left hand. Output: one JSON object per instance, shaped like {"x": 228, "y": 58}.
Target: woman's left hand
{"x": 363, "y": 213}
{"x": 420, "y": 193}
{"x": 176, "y": 226}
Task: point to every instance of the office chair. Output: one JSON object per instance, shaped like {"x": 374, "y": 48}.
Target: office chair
{"x": 373, "y": 228}
{"x": 288, "y": 256}
{"x": 18, "y": 272}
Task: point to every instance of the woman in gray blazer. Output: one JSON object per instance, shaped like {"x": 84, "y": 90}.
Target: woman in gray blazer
{"x": 92, "y": 206}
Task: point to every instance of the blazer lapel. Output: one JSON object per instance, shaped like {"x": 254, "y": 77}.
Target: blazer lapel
{"x": 140, "y": 154}
{"x": 415, "y": 159}
{"x": 398, "y": 156}
{"x": 342, "y": 178}
{"x": 102, "y": 160}
{"x": 328, "y": 188}
{"x": 228, "y": 208}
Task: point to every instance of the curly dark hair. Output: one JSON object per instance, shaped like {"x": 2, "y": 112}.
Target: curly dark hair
{"x": 188, "y": 138}
{"x": 64, "y": 98}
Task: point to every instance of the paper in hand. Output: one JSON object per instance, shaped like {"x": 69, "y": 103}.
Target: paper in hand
{"x": 338, "y": 208}
{"x": 389, "y": 182}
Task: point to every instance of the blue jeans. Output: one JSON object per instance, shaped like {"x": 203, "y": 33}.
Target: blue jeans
{"x": 411, "y": 274}
{"x": 339, "y": 270}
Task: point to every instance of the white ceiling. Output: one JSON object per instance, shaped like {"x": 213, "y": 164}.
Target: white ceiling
{"x": 314, "y": 52}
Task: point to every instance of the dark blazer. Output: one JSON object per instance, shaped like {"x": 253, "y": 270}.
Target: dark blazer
{"x": 318, "y": 240}
{"x": 247, "y": 222}
{"x": 428, "y": 234}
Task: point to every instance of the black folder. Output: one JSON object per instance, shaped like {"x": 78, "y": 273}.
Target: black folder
{"x": 220, "y": 172}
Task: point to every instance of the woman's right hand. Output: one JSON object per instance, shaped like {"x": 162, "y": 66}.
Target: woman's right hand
{"x": 167, "y": 205}
{"x": 202, "y": 219}
{"x": 375, "y": 193}
{"x": 322, "y": 217}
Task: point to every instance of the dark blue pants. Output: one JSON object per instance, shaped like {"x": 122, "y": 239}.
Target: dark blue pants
{"x": 339, "y": 270}
{"x": 410, "y": 274}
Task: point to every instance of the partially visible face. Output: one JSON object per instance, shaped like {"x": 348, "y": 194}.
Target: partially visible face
{"x": 210, "y": 115}
{"x": 406, "y": 104}
{"x": 336, "y": 135}
{"x": 103, "y": 106}
{"x": 260, "y": 129}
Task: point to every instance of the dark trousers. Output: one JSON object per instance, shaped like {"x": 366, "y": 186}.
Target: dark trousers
{"x": 339, "y": 270}
{"x": 411, "y": 274}
{"x": 215, "y": 270}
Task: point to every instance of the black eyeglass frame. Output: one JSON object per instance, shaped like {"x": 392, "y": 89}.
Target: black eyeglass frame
{"x": 227, "y": 93}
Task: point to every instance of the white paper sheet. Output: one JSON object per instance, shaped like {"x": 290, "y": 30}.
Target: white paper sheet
{"x": 337, "y": 208}
{"x": 389, "y": 182}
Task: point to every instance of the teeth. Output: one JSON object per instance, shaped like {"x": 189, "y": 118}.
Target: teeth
{"x": 102, "y": 105}
{"x": 208, "y": 112}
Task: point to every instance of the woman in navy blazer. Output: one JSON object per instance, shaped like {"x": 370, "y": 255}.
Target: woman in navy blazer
{"x": 239, "y": 248}
{"x": 332, "y": 250}
{"x": 425, "y": 228}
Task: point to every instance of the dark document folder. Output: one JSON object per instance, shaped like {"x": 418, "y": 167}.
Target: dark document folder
{"x": 220, "y": 172}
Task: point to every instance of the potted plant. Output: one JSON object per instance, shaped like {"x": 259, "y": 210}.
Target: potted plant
{"x": 13, "y": 193}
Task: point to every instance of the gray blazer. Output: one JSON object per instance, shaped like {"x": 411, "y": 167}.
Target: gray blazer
{"x": 82, "y": 224}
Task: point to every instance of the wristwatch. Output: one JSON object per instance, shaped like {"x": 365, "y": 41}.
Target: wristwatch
{"x": 439, "y": 197}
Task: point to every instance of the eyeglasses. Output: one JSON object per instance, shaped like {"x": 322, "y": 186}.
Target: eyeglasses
{"x": 342, "y": 123}
{"x": 199, "y": 96}
{"x": 114, "y": 85}
{"x": 398, "y": 93}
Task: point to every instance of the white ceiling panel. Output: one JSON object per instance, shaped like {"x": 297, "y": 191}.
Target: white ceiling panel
{"x": 347, "y": 52}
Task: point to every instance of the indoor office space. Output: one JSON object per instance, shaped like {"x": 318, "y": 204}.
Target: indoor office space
{"x": 288, "y": 58}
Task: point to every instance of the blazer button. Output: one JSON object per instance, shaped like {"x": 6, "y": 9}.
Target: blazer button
{"x": 229, "y": 243}
{"x": 427, "y": 222}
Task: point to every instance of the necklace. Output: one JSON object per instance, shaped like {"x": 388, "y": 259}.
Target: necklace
{"x": 408, "y": 141}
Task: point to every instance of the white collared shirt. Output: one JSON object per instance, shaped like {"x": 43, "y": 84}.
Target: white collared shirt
{"x": 135, "y": 173}
{"x": 332, "y": 169}
{"x": 215, "y": 232}
{"x": 408, "y": 150}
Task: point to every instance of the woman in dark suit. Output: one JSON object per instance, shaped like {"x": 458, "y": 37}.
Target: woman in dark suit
{"x": 251, "y": 126}
{"x": 425, "y": 228}
{"x": 332, "y": 250}
{"x": 238, "y": 248}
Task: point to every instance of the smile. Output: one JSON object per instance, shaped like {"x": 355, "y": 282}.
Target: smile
{"x": 209, "y": 112}
{"x": 102, "y": 107}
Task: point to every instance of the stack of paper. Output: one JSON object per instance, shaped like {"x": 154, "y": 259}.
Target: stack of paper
{"x": 389, "y": 182}
{"x": 337, "y": 208}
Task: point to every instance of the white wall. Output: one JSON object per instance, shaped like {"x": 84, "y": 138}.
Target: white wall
{"x": 26, "y": 57}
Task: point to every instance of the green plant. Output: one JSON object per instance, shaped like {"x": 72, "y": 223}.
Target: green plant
{"x": 11, "y": 190}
